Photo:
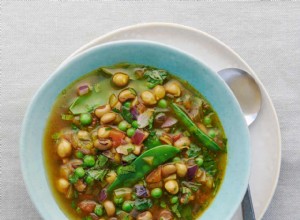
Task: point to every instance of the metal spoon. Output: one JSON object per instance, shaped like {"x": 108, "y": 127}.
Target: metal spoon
{"x": 248, "y": 94}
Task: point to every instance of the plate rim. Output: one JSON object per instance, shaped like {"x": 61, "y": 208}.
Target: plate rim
{"x": 110, "y": 34}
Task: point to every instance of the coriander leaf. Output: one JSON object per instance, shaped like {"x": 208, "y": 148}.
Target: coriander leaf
{"x": 174, "y": 209}
{"x": 126, "y": 114}
{"x": 67, "y": 117}
{"x": 73, "y": 178}
{"x": 155, "y": 77}
{"x": 209, "y": 164}
{"x": 152, "y": 140}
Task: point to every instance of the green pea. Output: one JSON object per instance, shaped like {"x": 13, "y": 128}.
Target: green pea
{"x": 156, "y": 193}
{"x": 130, "y": 132}
{"x": 118, "y": 200}
{"x": 89, "y": 180}
{"x": 176, "y": 159}
{"x": 127, "y": 206}
{"x": 85, "y": 119}
{"x": 199, "y": 161}
{"x": 79, "y": 171}
{"x": 207, "y": 120}
{"x": 88, "y": 161}
{"x": 123, "y": 125}
{"x": 174, "y": 199}
{"x": 79, "y": 154}
{"x": 135, "y": 124}
{"x": 212, "y": 133}
{"x": 98, "y": 210}
{"x": 127, "y": 104}
{"x": 162, "y": 103}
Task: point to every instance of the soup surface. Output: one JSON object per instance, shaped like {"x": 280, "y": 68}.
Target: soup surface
{"x": 133, "y": 142}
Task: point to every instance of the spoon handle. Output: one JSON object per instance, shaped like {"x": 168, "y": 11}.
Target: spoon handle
{"x": 247, "y": 206}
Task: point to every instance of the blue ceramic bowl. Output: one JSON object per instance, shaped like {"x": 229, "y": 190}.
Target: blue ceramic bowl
{"x": 177, "y": 62}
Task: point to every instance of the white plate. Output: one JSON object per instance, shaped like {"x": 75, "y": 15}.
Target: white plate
{"x": 265, "y": 132}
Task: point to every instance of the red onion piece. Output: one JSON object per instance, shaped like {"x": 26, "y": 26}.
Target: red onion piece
{"x": 160, "y": 117}
{"x": 82, "y": 90}
{"x": 103, "y": 195}
{"x": 143, "y": 119}
{"x": 170, "y": 121}
{"x": 138, "y": 137}
{"x": 141, "y": 191}
{"x": 134, "y": 112}
{"x": 191, "y": 172}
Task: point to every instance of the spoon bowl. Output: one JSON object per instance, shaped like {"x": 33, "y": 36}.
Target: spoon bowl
{"x": 246, "y": 91}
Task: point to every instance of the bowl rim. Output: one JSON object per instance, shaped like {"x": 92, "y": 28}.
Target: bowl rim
{"x": 64, "y": 65}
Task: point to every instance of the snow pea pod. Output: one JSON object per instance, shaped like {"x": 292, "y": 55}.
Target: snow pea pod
{"x": 194, "y": 130}
{"x": 143, "y": 165}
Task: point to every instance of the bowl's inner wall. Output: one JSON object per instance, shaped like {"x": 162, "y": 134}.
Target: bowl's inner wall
{"x": 176, "y": 62}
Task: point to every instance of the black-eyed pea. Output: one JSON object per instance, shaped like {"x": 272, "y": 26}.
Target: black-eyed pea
{"x": 168, "y": 169}
{"x": 100, "y": 111}
{"x": 127, "y": 94}
{"x": 182, "y": 142}
{"x": 145, "y": 216}
{"x": 148, "y": 98}
{"x": 159, "y": 92}
{"x": 108, "y": 118}
{"x": 103, "y": 132}
{"x": 109, "y": 208}
{"x": 173, "y": 88}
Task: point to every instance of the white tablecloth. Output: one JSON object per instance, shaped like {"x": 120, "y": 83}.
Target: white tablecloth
{"x": 38, "y": 35}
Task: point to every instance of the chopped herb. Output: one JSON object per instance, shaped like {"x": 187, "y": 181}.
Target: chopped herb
{"x": 100, "y": 162}
{"x": 129, "y": 158}
{"x": 155, "y": 77}
{"x": 67, "y": 117}
{"x": 150, "y": 121}
{"x": 209, "y": 164}
{"x": 152, "y": 140}
{"x": 186, "y": 212}
{"x": 143, "y": 204}
{"x": 98, "y": 174}
{"x": 73, "y": 204}
{"x": 74, "y": 127}
{"x": 174, "y": 209}
{"x": 55, "y": 136}
{"x": 193, "y": 186}
{"x": 98, "y": 87}
{"x": 127, "y": 169}
{"x": 193, "y": 151}
{"x": 216, "y": 186}
{"x": 163, "y": 204}
{"x": 126, "y": 114}
{"x": 73, "y": 179}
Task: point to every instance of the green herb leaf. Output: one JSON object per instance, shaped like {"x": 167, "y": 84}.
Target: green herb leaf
{"x": 193, "y": 151}
{"x": 191, "y": 185}
{"x": 100, "y": 162}
{"x": 127, "y": 169}
{"x": 98, "y": 174}
{"x": 67, "y": 117}
{"x": 126, "y": 114}
{"x": 155, "y": 77}
{"x": 186, "y": 212}
{"x": 152, "y": 140}
{"x": 73, "y": 178}
{"x": 174, "y": 209}
{"x": 129, "y": 158}
{"x": 209, "y": 164}
{"x": 143, "y": 204}
{"x": 55, "y": 136}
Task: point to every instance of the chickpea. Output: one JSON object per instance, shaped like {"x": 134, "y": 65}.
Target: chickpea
{"x": 168, "y": 169}
{"x": 182, "y": 142}
{"x": 120, "y": 79}
{"x": 64, "y": 148}
{"x": 103, "y": 132}
{"x": 148, "y": 98}
{"x": 103, "y": 144}
{"x": 173, "y": 88}
{"x": 145, "y": 216}
{"x": 181, "y": 169}
{"x": 159, "y": 92}
{"x": 62, "y": 185}
{"x": 172, "y": 186}
{"x": 109, "y": 208}
{"x": 111, "y": 176}
{"x": 100, "y": 111}
{"x": 108, "y": 118}
{"x": 127, "y": 94}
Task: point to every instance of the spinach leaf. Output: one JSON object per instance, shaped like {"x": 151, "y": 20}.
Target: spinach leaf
{"x": 143, "y": 204}
{"x": 193, "y": 151}
{"x": 155, "y": 77}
